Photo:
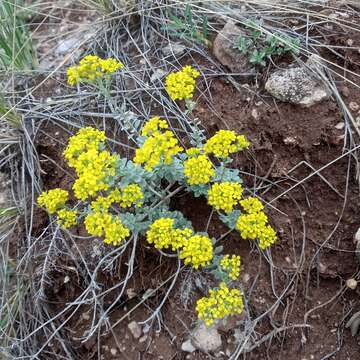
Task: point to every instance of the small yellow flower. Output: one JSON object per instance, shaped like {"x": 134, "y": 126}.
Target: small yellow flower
{"x": 231, "y": 265}
{"x": 225, "y": 196}
{"x": 221, "y": 302}
{"x": 251, "y": 205}
{"x": 53, "y": 199}
{"x": 154, "y": 125}
{"x": 253, "y": 223}
{"x": 67, "y": 218}
{"x": 197, "y": 251}
{"x": 180, "y": 85}
{"x": 163, "y": 235}
{"x": 225, "y": 143}
{"x": 250, "y": 225}
{"x": 198, "y": 170}
{"x": 159, "y": 146}
{"x": 115, "y": 233}
{"x": 103, "y": 223}
{"x": 130, "y": 195}
{"x": 90, "y": 68}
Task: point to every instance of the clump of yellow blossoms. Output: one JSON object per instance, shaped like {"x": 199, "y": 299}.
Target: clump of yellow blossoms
{"x": 159, "y": 146}
{"x": 163, "y": 235}
{"x": 67, "y": 218}
{"x": 90, "y": 68}
{"x": 198, "y": 170}
{"x": 100, "y": 223}
{"x": 253, "y": 223}
{"x": 180, "y": 85}
{"x": 221, "y": 302}
{"x": 53, "y": 200}
{"x": 94, "y": 173}
{"x": 231, "y": 265}
{"x": 93, "y": 166}
{"x": 197, "y": 251}
{"x": 252, "y": 205}
{"x": 130, "y": 195}
{"x": 224, "y": 196}
{"x": 225, "y": 143}
{"x": 154, "y": 125}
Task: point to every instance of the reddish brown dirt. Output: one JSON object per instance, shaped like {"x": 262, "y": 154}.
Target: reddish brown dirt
{"x": 310, "y": 262}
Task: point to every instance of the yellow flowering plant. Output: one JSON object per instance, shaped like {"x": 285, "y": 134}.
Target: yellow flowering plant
{"x": 120, "y": 199}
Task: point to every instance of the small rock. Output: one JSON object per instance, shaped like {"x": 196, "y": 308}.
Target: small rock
{"x": 158, "y": 75}
{"x": 345, "y": 91}
{"x": 290, "y": 140}
{"x": 246, "y": 278}
{"x": 66, "y": 45}
{"x": 113, "y": 351}
{"x": 255, "y": 114}
{"x": 357, "y": 236}
{"x": 298, "y": 86}
{"x": 206, "y": 339}
{"x": 175, "y": 49}
{"x": 340, "y": 125}
{"x": 187, "y": 346}
{"x": 130, "y": 293}
{"x": 354, "y": 106}
{"x": 66, "y": 279}
{"x": 135, "y": 329}
{"x": 143, "y": 339}
{"x": 225, "y": 52}
{"x": 351, "y": 284}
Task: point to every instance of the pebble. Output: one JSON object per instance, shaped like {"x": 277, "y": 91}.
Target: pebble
{"x": 135, "y": 329}
{"x": 187, "y": 346}
{"x": 354, "y": 106}
{"x": 340, "y": 125}
{"x": 351, "y": 284}
{"x": 113, "y": 351}
{"x": 206, "y": 339}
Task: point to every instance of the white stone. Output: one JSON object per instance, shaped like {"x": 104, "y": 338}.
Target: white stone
{"x": 297, "y": 85}
{"x": 351, "y": 284}
{"x": 187, "y": 346}
{"x": 206, "y": 339}
{"x": 357, "y": 236}
{"x": 135, "y": 329}
{"x": 173, "y": 49}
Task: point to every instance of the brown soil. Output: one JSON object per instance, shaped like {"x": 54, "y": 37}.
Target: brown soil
{"x": 316, "y": 220}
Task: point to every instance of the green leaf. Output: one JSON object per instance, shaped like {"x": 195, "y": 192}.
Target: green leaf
{"x": 230, "y": 219}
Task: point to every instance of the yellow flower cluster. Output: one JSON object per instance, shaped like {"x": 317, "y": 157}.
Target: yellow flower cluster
{"x": 87, "y": 139}
{"x": 224, "y": 196}
{"x": 67, "y": 218}
{"x": 100, "y": 223}
{"x": 231, "y": 265}
{"x": 163, "y": 235}
{"x": 154, "y": 125}
{"x": 221, "y": 302}
{"x": 253, "y": 224}
{"x": 252, "y": 205}
{"x": 197, "y": 251}
{"x": 181, "y": 84}
{"x": 224, "y": 143}
{"x": 130, "y": 195}
{"x": 90, "y": 68}
{"x": 159, "y": 145}
{"x": 93, "y": 166}
{"x": 53, "y": 200}
{"x": 198, "y": 170}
